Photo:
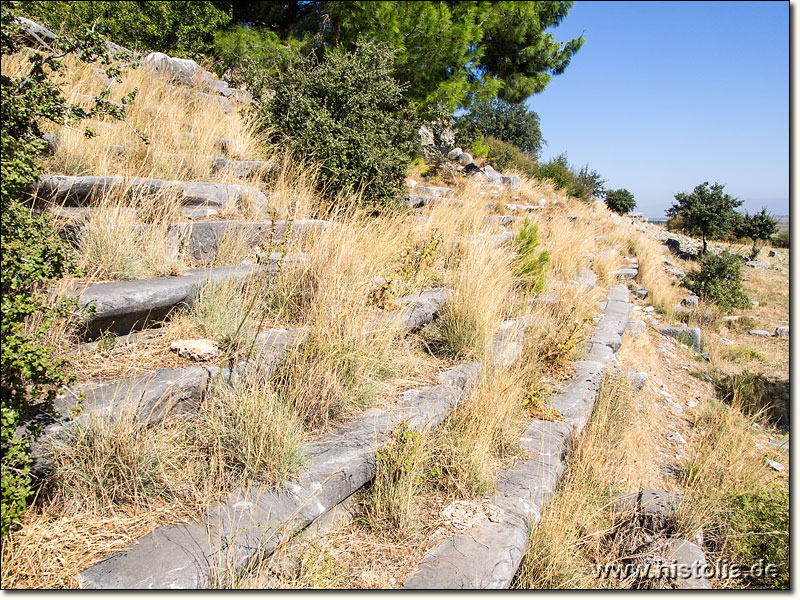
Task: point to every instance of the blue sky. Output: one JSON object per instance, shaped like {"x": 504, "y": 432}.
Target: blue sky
{"x": 666, "y": 95}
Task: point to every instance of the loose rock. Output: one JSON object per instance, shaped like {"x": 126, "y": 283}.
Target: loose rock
{"x": 199, "y": 350}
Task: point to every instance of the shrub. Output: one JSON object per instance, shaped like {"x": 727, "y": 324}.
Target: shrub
{"x": 758, "y": 226}
{"x": 707, "y": 210}
{"x": 182, "y": 28}
{"x": 32, "y": 252}
{"x": 510, "y": 123}
{"x": 620, "y": 201}
{"x": 781, "y": 239}
{"x": 719, "y": 280}
{"x": 556, "y": 170}
{"x": 503, "y": 155}
{"x": 757, "y": 528}
{"x": 480, "y": 147}
{"x": 586, "y": 184}
{"x": 530, "y": 267}
{"x": 346, "y": 113}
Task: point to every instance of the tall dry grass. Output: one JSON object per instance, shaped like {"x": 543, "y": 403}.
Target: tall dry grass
{"x": 571, "y": 535}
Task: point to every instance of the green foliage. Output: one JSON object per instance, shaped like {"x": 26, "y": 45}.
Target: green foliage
{"x": 583, "y": 185}
{"x": 480, "y": 147}
{"x": 530, "y": 267}
{"x": 504, "y": 156}
{"x": 781, "y": 239}
{"x": 620, "y": 201}
{"x": 400, "y": 472}
{"x": 183, "y": 28}
{"x": 719, "y": 280}
{"x": 32, "y": 252}
{"x": 755, "y": 394}
{"x": 759, "y": 226}
{"x": 707, "y": 210}
{"x": 348, "y": 115}
{"x": 586, "y": 184}
{"x": 757, "y": 527}
{"x": 557, "y": 170}
{"x": 512, "y": 123}
{"x": 445, "y": 51}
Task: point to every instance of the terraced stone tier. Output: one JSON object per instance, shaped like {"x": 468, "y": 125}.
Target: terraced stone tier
{"x": 77, "y": 191}
{"x": 419, "y": 200}
{"x": 124, "y": 306}
{"x": 149, "y": 397}
{"x": 488, "y": 555}
{"x": 250, "y": 523}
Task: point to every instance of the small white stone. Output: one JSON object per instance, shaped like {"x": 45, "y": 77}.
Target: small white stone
{"x": 775, "y": 465}
{"x": 691, "y": 404}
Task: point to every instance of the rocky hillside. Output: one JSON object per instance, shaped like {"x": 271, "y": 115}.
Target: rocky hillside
{"x": 494, "y": 386}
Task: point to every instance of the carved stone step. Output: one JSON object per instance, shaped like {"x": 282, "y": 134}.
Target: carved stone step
{"x": 77, "y": 191}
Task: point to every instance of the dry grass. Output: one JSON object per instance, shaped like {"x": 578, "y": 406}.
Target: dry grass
{"x": 571, "y": 533}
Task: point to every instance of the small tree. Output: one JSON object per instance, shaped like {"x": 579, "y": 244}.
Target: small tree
{"x": 760, "y": 226}
{"x": 620, "y": 201}
{"x": 707, "y": 209}
{"x": 348, "y": 114}
{"x": 511, "y": 123}
{"x": 719, "y": 280}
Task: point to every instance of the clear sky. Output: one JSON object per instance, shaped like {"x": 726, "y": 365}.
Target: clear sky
{"x": 666, "y": 95}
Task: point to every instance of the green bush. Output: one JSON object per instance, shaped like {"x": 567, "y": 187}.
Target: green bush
{"x": 719, "y": 280}
{"x": 781, "y": 239}
{"x": 755, "y": 394}
{"x": 586, "y": 184}
{"x": 347, "y": 114}
{"x": 32, "y": 252}
{"x": 179, "y": 28}
{"x": 510, "y": 122}
{"x": 503, "y": 156}
{"x": 558, "y": 171}
{"x": 620, "y": 201}
{"x": 530, "y": 267}
{"x": 480, "y": 147}
{"x": 757, "y": 528}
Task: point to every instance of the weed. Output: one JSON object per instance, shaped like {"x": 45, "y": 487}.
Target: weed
{"x": 391, "y": 502}
{"x": 250, "y": 433}
{"x": 756, "y": 527}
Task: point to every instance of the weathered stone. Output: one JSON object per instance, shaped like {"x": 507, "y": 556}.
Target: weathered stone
{"x": 123, "y": 306}
{"x": 638, "y": 379}
{"x": 759, "y": 333}
{"x": 773, "y": 253}
{"x": 637, "y": 327}
{"x": 40, "y": 34}
{"x": 201, "y": 240}
{"x": 455, "y": 153}
{"x": 783, "y": 445}
{"x": 690, "y": 564}
{"x": 464, "y": 158}
{"x": 673, "y": 245}
{"x": 654, "y": 510}
{"x": 199, "y": 350}
{"x": 782, "y": 331}
{"x": 675, "y": 436}
{"x": 510, "y": 181}
{"x": 70, "y": 190}
{"x": 640, "y": 293}
{"x": 251, "y": 522}
{"x": 435, "y": 191}
{"x": 586, "y": 279}
{"x": 775, "y": 465}
{"x": 691, "y": 301}
{"x": 241, "y": 168}
{"x": 757, "y": 264}
{"x": 690, "y": 334}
